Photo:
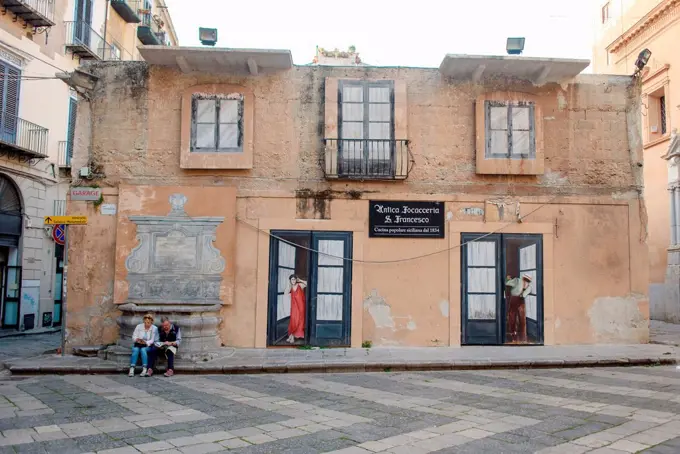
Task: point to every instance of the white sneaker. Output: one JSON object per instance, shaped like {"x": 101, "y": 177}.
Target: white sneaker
{"x": 132, "y": 371}
{"x": 143, "y": 374}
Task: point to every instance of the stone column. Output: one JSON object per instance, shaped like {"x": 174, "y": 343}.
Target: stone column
{"x": 665, "y": 304}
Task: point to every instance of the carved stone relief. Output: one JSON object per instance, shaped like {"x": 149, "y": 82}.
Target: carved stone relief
{"x": 175, "y": 260}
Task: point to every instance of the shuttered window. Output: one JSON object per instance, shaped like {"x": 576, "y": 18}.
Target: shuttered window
{"x": 72, "y": 113}
{"x": 10, "y": 83}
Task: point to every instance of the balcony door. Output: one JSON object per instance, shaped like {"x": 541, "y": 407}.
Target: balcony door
{"x": 10, "y": 83}
{"x": 366, "y": 128}
{"x": 83, "y": 18}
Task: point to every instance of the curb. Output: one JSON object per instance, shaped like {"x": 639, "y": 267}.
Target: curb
{"x": 30, "y": 333}
{"x": 346, "y": 367}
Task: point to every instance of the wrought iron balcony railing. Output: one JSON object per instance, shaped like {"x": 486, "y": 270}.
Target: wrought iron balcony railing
{"x": 23, "y": 137}
{"x": 38, "y": 13}
{"x": 367, "y": 159}
{"x": 65, "y": 154}
{"x": 83, "y": 41}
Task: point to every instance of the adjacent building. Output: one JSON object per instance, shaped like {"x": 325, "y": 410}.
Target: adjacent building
{"x": 38, "y": 39}
{"x": 258, "y": 203}
{"x": 624, "y": 29}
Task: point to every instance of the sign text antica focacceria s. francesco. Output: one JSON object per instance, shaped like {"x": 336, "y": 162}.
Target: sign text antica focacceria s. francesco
{"x": 392, "y": 219}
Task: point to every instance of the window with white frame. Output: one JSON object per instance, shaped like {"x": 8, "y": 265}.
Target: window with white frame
{"x": 217, "y": 123}
{"x": 510, "y": 130}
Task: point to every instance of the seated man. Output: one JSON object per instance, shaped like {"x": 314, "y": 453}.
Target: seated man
{"x": 169, "y": 338}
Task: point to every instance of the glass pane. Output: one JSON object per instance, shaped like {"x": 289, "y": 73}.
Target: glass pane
{"x": 379, "y": 131}
{"x": 228, "y": 136}
{"x": 527, "y": 258}
{"x": 352, "y": 131}
{"x": 531, "y": 311}
{"x": 58, "y": 282}
{"x": 205, "y": 136}
{"x": 205, "y": 110}
{"x": 283, "y": 277}
{"x": 379, "y": 150}
{"x": 335, "y": 248}
{"x": 56, "y": 317}
{"x": 498, "y": 117}
{"x": 520, "y": 117}
{"x": 229, "y": 111}
{"x": 352, "y": 93}
{"x": 521, "y": 142}
{"x": 352, "y": 149}
{"x": 499, "y": 142}
{"x": 10, "y": 314}
{"x": 329, "y": 280}
{"x": 379, "y": 94}
{"x": 329, "y": 307}
{"x": 481, "y": 253}
{"x": 12, "y": 283}
{"x": 352, "y": 112}
{"x": 286, "y": 255}
{"x": 379, "y": 112}
{"x": 282, "y": 306}
{"x": 481, "y": 307}
{"x": 482, "y": 280}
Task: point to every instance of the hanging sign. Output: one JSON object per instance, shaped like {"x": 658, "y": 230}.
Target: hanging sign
{"x": 392, "y": 219}
{"x": 59, "y": 234}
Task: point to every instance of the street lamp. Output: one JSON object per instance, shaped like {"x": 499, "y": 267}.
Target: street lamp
{"x": 643, "y": 59}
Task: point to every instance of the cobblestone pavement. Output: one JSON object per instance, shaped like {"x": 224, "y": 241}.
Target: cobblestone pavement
{"x": 503, "y": 411}
{"x": 664, "y": 333}
{"x": 28, "y": 345}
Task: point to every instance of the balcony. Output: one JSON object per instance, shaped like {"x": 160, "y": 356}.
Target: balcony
{"x": 84, "y": 42}
{"x": 149, "y": 33}
{"x": 65, "y": 154}
{"x": 38, "y": 13}
{"x": 127, "y": 10}
{"x": 367, "y": 159}
{"x": 21, "y": 138}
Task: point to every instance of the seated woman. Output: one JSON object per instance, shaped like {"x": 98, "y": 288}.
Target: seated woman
{"x": 169, "y": 338}
{"x": 143, "y": 338}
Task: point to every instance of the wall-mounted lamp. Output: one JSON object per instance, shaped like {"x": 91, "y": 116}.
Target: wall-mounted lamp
{"x": 642, "y": 60}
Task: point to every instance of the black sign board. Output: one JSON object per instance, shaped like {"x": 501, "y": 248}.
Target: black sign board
{"x": 406, "y": 219}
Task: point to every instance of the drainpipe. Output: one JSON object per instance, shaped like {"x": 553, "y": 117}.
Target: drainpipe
{"x": 106, "y": 24}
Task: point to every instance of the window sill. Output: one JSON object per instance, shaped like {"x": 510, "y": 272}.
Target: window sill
{"x": 655, "y": 142}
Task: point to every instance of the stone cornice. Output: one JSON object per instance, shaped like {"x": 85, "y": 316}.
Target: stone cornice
{"x": 659, "y": 17}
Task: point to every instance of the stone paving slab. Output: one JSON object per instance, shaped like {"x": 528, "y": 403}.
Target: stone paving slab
{"x": 250, "y": 361}
{"x": 540, "y": 411}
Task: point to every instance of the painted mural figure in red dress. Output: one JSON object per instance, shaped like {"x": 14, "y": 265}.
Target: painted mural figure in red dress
{"x": 296, "y": 324}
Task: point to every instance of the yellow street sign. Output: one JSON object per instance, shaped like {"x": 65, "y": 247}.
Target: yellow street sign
{"x": 67, "y": 220}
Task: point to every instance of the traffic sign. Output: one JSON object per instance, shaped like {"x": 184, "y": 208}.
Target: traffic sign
{"x": 59, "y": 234}
{"x": 66, "y": 220}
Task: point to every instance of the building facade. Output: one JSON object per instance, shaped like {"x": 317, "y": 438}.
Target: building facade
{"x": 39, "y": 38}
{"x": 259, "y": 204}
{"x": 624, "y": 29}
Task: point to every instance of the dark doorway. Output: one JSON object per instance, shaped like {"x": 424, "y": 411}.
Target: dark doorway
{"x": 502, "y": 289}
{"x": 310, "y": 275}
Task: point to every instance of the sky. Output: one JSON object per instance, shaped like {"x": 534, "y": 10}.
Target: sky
{"x": 392, "y": 33}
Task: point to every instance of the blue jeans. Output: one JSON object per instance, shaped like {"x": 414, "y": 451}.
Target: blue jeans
{"x": 135, "y": 354}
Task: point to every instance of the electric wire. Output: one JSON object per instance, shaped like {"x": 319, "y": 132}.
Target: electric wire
{"x": 33, "y": 56}
{"x": 408, "y": 259}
